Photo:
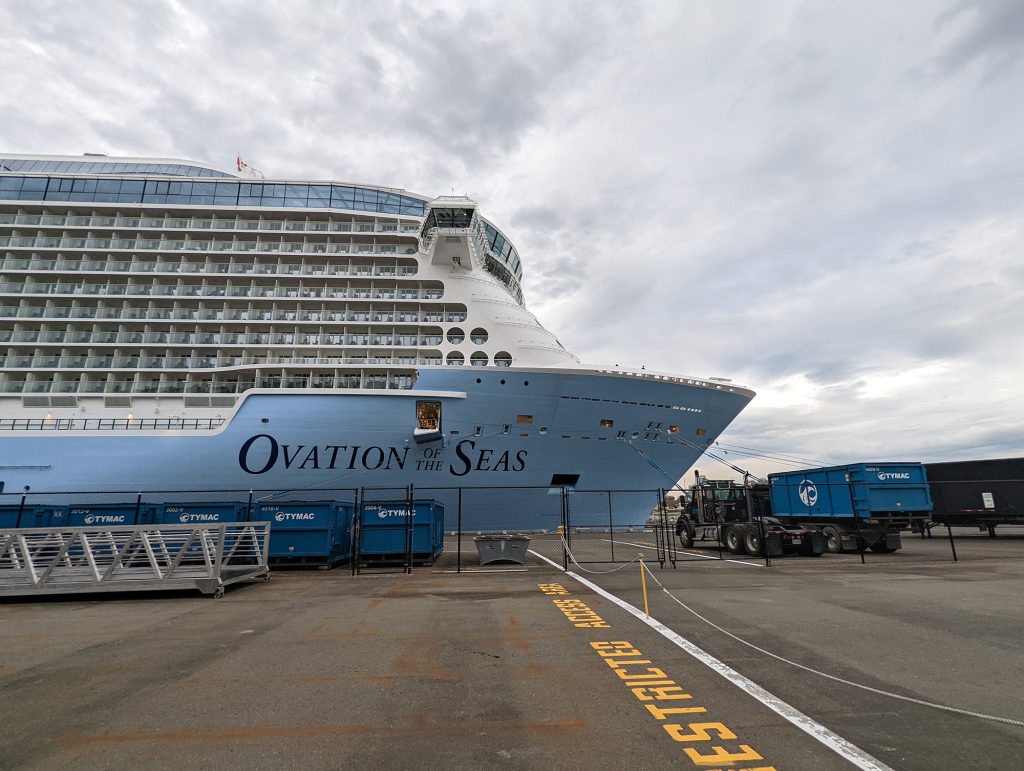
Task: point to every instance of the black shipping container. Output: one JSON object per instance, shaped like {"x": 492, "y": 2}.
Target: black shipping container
{"x": 978, "y": 493}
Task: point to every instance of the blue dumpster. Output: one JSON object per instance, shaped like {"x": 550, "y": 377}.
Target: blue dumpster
{"x": 384, "y": 529}
{"x": 45, "y": 515}
{"x": 854, "y": 491}
{"x": 307, "y": 532}
{"x": 199, "y": 513}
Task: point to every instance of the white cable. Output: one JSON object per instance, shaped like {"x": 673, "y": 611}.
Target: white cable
{"x": 596, "y": 572}
{"x": 956, "y": 710}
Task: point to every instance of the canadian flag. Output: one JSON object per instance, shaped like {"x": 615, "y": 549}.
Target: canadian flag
{"x": 242, "y": 165}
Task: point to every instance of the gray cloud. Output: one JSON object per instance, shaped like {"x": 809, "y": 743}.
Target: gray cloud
{"x": 822, "y": 201}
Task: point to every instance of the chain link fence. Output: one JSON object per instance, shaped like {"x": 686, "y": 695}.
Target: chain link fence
{"x": 458, "y": 529}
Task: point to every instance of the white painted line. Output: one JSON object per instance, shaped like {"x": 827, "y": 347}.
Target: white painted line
{"x": 816, "y": 730}
{"x": 692, "y": 554}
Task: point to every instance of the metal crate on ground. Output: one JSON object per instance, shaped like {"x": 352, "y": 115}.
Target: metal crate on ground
{"x": 308, "y": 532}
{"x": 386, "y": 533}
{"x": 45, "y": 515}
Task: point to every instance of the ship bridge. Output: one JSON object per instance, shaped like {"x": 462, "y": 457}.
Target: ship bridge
{"x": 454, "y": 235}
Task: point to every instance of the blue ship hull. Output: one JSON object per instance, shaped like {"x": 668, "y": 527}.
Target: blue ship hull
{"x": 612, "y": 431}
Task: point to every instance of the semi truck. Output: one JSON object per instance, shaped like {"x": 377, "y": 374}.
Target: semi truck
{"x": 852, "y": 508}
{"x": 978, "y": 493}
{"x": 738, "y": 516}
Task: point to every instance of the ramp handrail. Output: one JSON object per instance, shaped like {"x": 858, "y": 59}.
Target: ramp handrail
{"x": 107, "y": 558}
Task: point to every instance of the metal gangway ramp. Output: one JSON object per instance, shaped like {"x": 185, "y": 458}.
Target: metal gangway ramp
{"x": 63, "y": 560}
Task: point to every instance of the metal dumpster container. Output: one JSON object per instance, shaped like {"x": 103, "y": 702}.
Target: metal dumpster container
{"x": 384, "y": 525}
{"x": 308, "y": 532}
{"x": 44, "y": 515}
{"x": 502, "y": 548}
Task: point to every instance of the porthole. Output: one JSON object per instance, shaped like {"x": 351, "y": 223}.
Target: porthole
{"x": 542, "y": 430}
{"x": 456, "y": 335}
{"x": 410, "y": 250}
{"x": 503, "y": 359}
{"x": 478, "y": 359}
{"x": 456, "y": 359}
{"x": 478, "y": 335}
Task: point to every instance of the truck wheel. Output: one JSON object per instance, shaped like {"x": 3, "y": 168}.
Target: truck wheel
{"x": 753, "y": 542}
{"x": 686, "y": 537}
{"x": 833, "y": 540}
{"x": 733, "y": 540}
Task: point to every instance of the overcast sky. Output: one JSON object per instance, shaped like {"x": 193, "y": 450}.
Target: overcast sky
{"x": 823, "y": 201}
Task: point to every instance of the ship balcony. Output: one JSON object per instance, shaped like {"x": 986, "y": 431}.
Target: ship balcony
{"x": 348, "y": 225}
{"x": 203, "y": 290}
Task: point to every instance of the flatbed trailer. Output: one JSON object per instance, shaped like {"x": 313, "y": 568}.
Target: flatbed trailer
{"x": 978, "y": 493}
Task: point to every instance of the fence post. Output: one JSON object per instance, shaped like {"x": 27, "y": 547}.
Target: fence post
{"x": 409, "y": 514}
{"x": 565, "y": 530}
{"x": 611, "y": 525}
{"x": 21, "y": 509}
{"x": 138, "y": 506}
{"x": 357, "y": 518}
{"x": 660, "y": 538}
{"x": 248, "y": 509}
{"x": 458, "y": 535}
{"x": 759, "y": 516}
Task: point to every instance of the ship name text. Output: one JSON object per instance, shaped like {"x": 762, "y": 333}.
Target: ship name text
{"x": 262, "y": 452}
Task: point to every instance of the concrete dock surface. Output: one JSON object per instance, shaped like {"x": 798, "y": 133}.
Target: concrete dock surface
{"x": 526, "y": 669}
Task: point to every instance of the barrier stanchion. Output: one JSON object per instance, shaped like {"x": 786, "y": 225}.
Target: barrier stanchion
{"x": 643, "y": 583}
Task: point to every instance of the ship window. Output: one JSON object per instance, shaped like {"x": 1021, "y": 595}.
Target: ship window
{"x": 524, "y": 420}
{"x": 456, "y": 335}
{"x": 607, "y": 423}
{"x": 478, "y": 359}
{"x": 702, "y": 431}
{"x": 503, "y": 359}
{"x": 673, "y": 429}
{"x": 456, "y": 359}
{"x": 428, "y": 416}
{"x": 478, "y": 335}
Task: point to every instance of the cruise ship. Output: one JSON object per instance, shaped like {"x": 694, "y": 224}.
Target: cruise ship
{"x": 172, "y": 325}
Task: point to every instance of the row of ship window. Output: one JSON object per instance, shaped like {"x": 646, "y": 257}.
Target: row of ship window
{"x": 106, "y": 337}
{"x": 178, "y": 336}
{"x": 217, "y": 290}
{"x": 184, "y": 265}
{"x": 117, "y": 313}
{"x": 139, "y": 384}
{"x": 163, "y": 361}
{"x": 194, "y": 245}
{"x": 208, "y": 223}
{"x": 191, "y": 193}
